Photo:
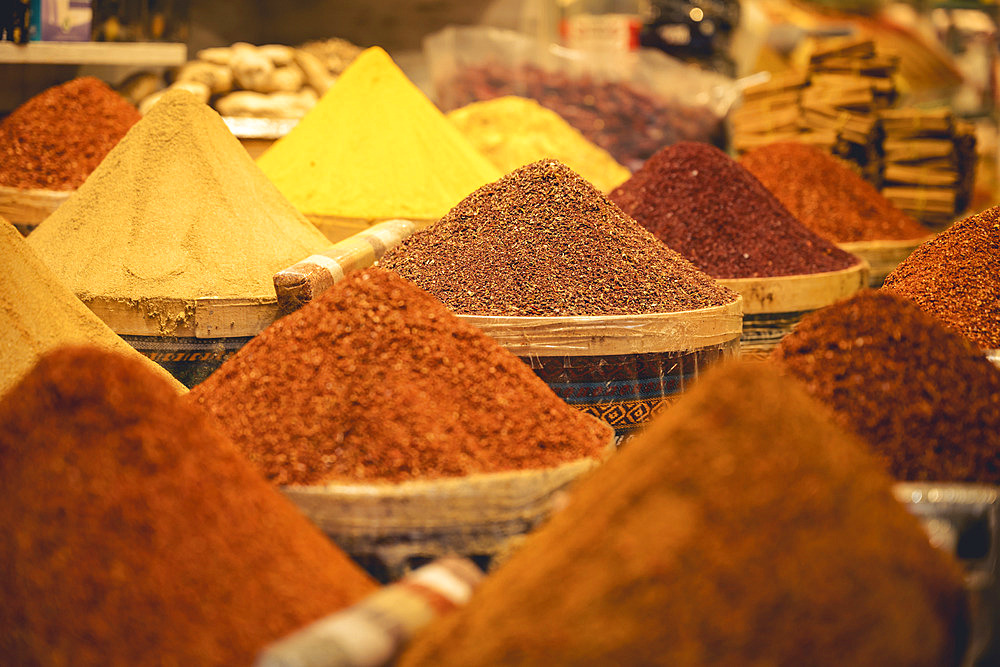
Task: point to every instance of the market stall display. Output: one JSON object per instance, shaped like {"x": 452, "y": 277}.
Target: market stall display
{"x": 174, "y": 239}
{"x": 613, "y": 320}
{"x": 708, "y": 540}
{"x": 375, "y": 392}
{"x": 714, "y": 212}
{"x": 514, "y": 131}
{"x": 374, "y": 148}
{"x": 52, "y": 142}
{"x": 132, "y": 528}
{"x": 955, "y": 278}
{"x": 39, "y": 314}
{"x": 825, "y": 195}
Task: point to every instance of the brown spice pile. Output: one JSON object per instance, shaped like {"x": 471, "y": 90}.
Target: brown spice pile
{"x": 921, "y": 395}
{"x": 707, "y": 207}
{"x": 54, "y": 140}
{"x": 956, "y": 278}
{"x": 827, "y": 196}
{"x": 132, "y": 531}
{"x": 713, "y": 540}
{"x": 376, "y": 380}
{"x": 543, "y": 241}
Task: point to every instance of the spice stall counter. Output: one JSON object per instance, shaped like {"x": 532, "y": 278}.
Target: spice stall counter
{"x": 26, "y": 208}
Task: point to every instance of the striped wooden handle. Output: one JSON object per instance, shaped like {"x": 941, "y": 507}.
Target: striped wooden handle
{"x": 304, "y": 281}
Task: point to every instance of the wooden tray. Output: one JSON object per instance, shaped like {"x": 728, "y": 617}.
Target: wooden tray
{"x": 27, "y": 208}
{"x": 883, "y": 256}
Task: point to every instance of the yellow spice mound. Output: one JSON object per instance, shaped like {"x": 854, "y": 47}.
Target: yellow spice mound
{"x": 514, "y": 131}
{"x": 177, "y": 210}
{"x": 375, "y": 147}
{"x": 39, "y": 314}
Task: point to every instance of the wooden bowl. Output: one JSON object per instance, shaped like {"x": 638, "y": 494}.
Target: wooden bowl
{"x": 883, "y": 256}
{"x": 28, "y": 208}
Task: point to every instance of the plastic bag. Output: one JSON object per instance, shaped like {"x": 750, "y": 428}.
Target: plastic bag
{"x": 630, "y": 104}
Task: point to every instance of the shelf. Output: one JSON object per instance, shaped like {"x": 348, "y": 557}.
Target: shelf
{"x": 95, "y": 53}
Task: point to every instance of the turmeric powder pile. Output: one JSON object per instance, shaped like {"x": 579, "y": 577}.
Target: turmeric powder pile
{"x": 514, "y": 131}
{"x": 375, "y": 148}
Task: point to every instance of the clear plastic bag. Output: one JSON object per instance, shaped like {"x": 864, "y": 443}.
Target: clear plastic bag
{"x": 631, "y": 105}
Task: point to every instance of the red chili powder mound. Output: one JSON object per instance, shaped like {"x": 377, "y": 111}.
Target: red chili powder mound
{"x": 707, "y": 207}
{"x": 132, "y": 531}
{"x": 377, "y": 380}
{"x": 543, "y": 241}
{"x": 924, "y": 398}
{"x": 54, "y": 140}
{"x": 827, "y": 196}
{"x": 742, "y": 528}
{"x": 956, "y": 278}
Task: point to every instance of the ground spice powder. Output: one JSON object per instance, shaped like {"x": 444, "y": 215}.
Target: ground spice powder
{"x": 133, "y": 532}
{"x": 712, "y": 539}
{"x": 827, "y": 196}
{"x": 376, "y": 381}
{"x": 374, "y": 147}
{"x": 955, "y": 278}
{"x": 543, "y": 241}
{"x": 57, "y": 138}
{"x": 38, "y": 314}
{"x": 177, "y": 210}
{"x": 514, "y": 131}
{"x": 707, "y": 207}
{"x": 921, "y": 395}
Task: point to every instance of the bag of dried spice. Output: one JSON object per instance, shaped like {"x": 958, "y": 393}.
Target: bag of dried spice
{"x": 743, "y": 528}
{"x": 402, "y": 431}
{"x": 613, "y": 320}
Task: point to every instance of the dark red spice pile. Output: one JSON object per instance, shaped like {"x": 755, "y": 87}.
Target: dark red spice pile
{"x": 132, "y": 531}
{"x": 627, "y": 122}
{"x": 742, "y": 528}
{"x": 925, "y": 399}
{"x": 827, "y": 196}
{"x": 54, "y": 140}
{"x": 956, "y": 278}
{"x": 707, "y": 207}
{"x": 376, "y": 380}
{"x": 542, "y": 241}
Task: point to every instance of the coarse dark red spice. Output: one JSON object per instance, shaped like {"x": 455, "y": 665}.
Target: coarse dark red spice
{"x": 54, "y": 140}
{"x": 707, "y": 207}
{"x": 956, "y": 278}
{"x": 625, "y": 121}
{"x": 742, "y": 528}
{"x": 376, "y": 380}
{"x": 827, "y": 196}
{"x": 924, "y": 398}
{"x": 543, "y": 241}
{"x": 132, "y": 531}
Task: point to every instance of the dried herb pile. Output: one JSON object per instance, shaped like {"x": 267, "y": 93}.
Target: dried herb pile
{"x": 827, "y": 196}
{"x": 956, "y": 278}
{"x": 710, "y": 541}
{"x": 707, "y": 207}
{"x": 132, "y": 531}
{"x": 924, "y": 398}
{"x": 542, "y": 241}
{"x": 54, "y": 140}
{"x": 376, "y": 381}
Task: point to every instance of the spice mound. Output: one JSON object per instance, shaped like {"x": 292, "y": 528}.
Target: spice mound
{"x": 712, "y": 539}
{"x": 543, "y": 241}
{"x": 955, "y": 278}
{"x": 707, "y": 207}
{"x": 827, "y": 196}
{"x": 924, "y": 398}
{"x": 374, "y": 147}
{"x": 133, "y": 530}
{"x": 376, "y": 381}
{"x": 513, "y": 131}
{"x": 57, "y": 138}
{"x": 38, "y": 314}
{"x": 177, "y": 210}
